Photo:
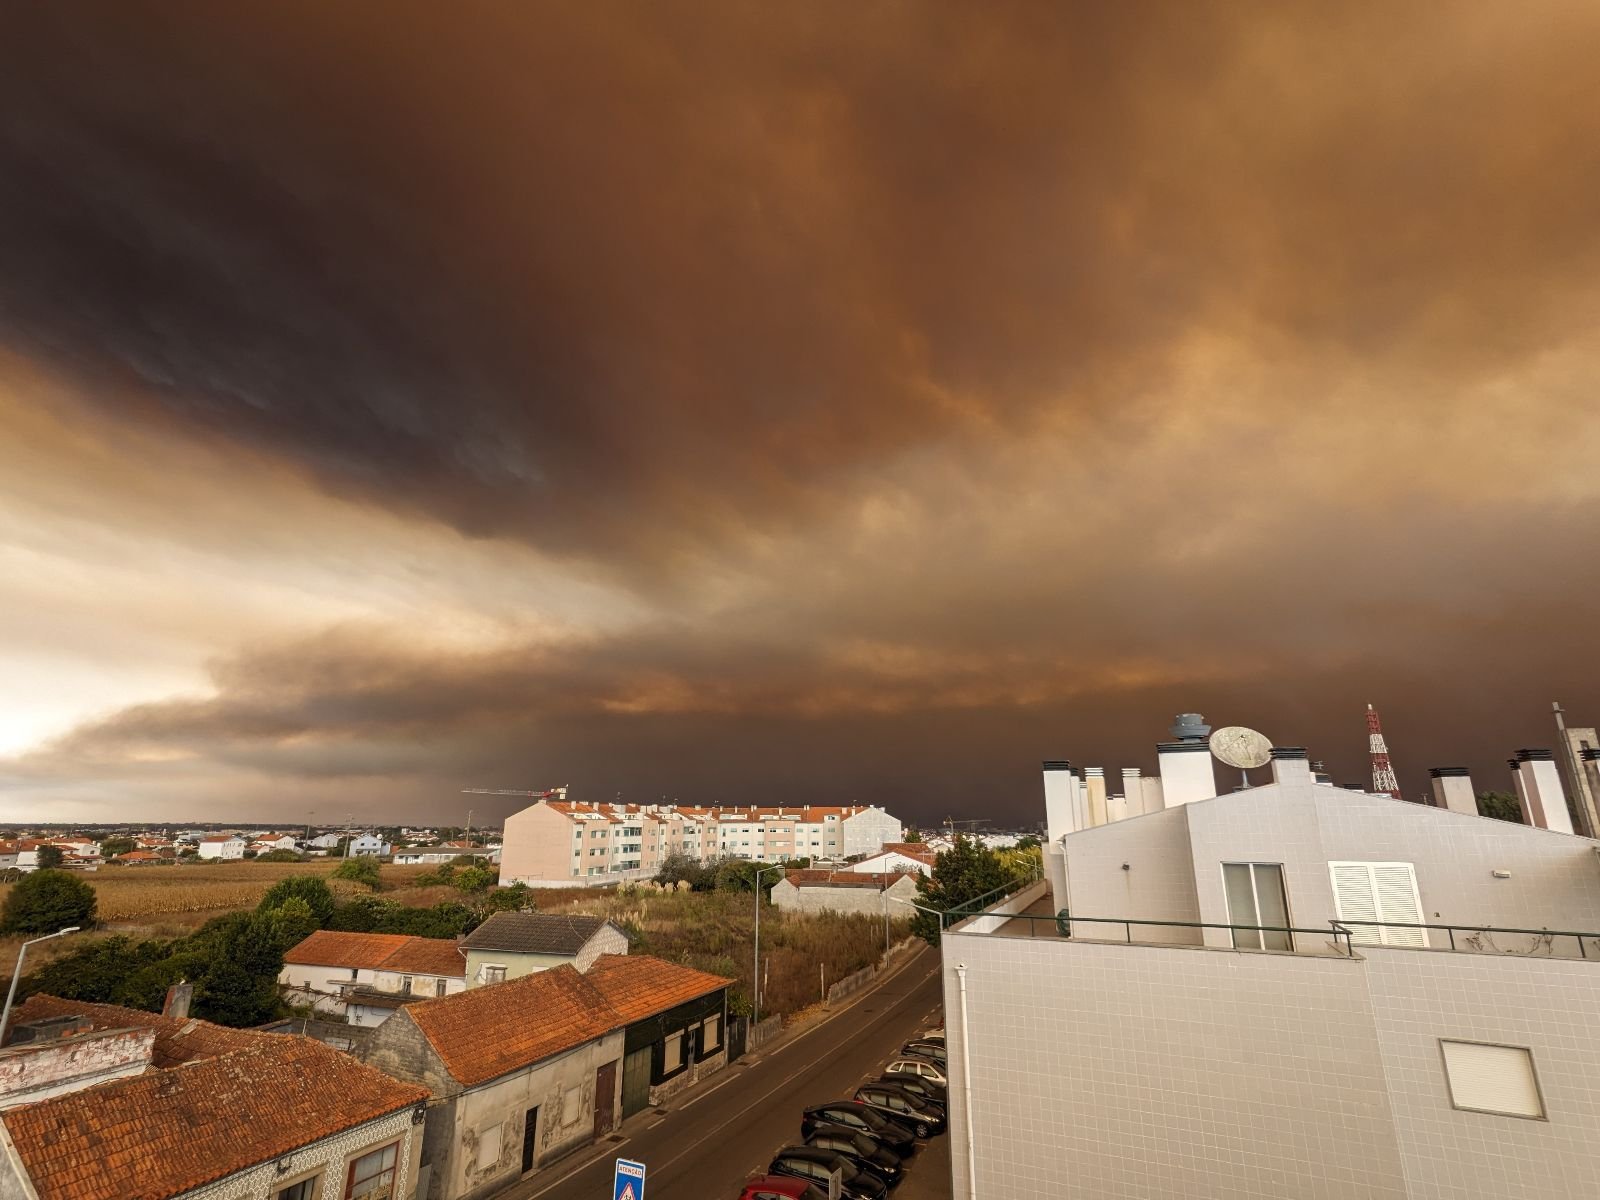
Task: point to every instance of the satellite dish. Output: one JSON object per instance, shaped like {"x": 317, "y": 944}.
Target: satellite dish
{"x": 1241, "y": 747}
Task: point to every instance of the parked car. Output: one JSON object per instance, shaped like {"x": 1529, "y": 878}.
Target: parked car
{"x": 890, "y": 1132}
{"x": 933, "y": 1051}
{"x": 936, "y": 1034}
{"x": 925, "y": 1067}
{"x": 781, "y": 1187}
{"x": 862, "y": 1149}
{"x": 814, "y": 1164}
{"x": 926, "y": 1088}
{"x": 925, "y": 1119}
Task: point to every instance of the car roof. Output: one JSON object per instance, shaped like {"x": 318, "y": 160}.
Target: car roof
{"x": 814, "y": 1153}
{"x": 787, "y": 1185}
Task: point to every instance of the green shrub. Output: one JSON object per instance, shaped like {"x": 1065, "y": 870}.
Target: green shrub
{"x": 359, "y": 870}
{"x": 46, "y": 901}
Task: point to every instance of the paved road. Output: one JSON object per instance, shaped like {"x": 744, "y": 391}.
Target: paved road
{"x": 720, "y": 1136}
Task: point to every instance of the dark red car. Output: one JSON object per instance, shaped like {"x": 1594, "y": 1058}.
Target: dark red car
{"x": 781, "y": 1187}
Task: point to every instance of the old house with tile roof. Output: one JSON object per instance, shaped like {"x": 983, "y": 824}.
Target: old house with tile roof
{"x": 512, "y": 944}
{"x": 845, "y": 891}
{"x": 363, "y": 977}
{"x": 210, "y": 1112}
{"x": 529, "y": 1069}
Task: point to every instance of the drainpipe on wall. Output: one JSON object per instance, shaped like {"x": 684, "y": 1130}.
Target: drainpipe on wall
{"x": 966, "y": 1087}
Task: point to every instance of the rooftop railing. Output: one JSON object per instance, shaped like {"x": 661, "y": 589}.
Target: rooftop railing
{"x": 1064, "y": 925}
{"x": 1479, "y": 939}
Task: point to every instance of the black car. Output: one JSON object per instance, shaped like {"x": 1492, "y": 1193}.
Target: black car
{"x": 814, "y": 1164}
{"x": 938, "y": 1107}
{"x": 862, "y": 1149}
{"x": 892, "y": 1134}
{"x": 924, "y": 1119}
{"x": 932, "y": 1051}
{"x": 934, "y": 1093}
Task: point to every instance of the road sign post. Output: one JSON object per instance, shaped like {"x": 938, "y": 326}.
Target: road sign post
{"x": 628, "y": 1182}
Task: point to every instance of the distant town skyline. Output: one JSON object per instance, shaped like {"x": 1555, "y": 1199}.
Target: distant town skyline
{"x": 753, "y": 404}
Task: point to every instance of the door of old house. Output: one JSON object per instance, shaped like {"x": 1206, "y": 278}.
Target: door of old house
{"x": 605, "y": 1093}
{"x": 530, "y": 1138}
{"x": 636, "y": 1082}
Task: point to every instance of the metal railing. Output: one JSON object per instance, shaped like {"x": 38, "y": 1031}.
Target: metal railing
{"x": 1062, "y": 924}
{"x": 1479, "y": 939}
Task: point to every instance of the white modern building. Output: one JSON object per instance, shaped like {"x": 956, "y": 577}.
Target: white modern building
{"x": 1291, "y": 990}
{"x": 369, "y": 845}
{"x": 559, "y": 843}
{"x": 224, "y": 848}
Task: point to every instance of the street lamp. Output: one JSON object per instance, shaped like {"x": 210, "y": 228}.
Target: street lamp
{"x": 755, "y": 978}
{"x": 16, "y": 974}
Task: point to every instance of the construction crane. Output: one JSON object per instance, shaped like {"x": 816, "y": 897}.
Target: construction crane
{"x": 559, "y": 793}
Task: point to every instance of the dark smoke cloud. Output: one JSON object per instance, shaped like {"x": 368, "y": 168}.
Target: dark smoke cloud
{"x": 951, "y": 386}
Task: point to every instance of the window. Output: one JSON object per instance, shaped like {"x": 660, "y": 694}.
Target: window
{"x": 372, "y": 1175}
{"x": 405, "y": 985}
{"x": 306, "y": 1189}
{"x": 711, "y": 1035}
{"x": 1379, "y": 891}
{"x": 439, "y": 986}
{"x": 672, "y": 1053}
{"x": 1255, "y": 897}
{"x": 494, "y": 974}
{"x": 1492, "y": 1079}
{"x": 489, "y": 1147}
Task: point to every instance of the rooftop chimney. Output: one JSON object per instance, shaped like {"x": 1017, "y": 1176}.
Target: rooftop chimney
{"x": 1452, "y": 789}
{"x": 177, "y": 1002}
{"x": 1543, "y": 799}
{"x": 1063, "y": 800}
{"x": 1185, "y": 765}
{"x": 1094, "y": 786}
{"x": 1290, "y": 764}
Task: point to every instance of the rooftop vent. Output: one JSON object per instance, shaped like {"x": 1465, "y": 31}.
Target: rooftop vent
{"x": 1189, "y": 727}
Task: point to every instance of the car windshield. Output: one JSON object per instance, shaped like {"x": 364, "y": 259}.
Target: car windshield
{"x": 863, "y": 1144}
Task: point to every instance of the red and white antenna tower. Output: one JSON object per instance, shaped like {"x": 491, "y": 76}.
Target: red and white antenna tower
{"x": 1383, "y": 779}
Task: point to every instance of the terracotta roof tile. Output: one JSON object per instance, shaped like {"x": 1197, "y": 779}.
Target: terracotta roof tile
{"x": 639, "y": 986}
{"x": 428, "y": 956}
{"x": 163, "y": 1133}
{"x": 176, "y": 1042}
{"x": 336, "y": 948}
{"x": 487, "y": 1032}
{"x": 862, "y": 879}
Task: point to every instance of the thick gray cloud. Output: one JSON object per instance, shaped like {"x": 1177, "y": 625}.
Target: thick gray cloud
{"x": 940, "y": 388}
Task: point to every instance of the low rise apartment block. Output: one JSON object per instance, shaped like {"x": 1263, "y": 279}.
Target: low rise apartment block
{"x": 558, "y": 843}
{"x": 1290, "y": 990}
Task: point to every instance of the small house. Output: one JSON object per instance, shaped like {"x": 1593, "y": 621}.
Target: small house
{"x": 512, "y": 944}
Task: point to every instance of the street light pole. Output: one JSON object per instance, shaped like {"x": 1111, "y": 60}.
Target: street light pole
{"x": 16, "y": 974}
{"x": 755, "y": 977}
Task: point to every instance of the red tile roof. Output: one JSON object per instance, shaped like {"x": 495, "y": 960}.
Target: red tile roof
{"x": 379, "y": 952}
{"x": 176, "y": 1042}
{"x": 428, "y": 956}
{"x": 862, "y": 879}
{"x": 639, "y": 986}
{"x": 164, "y": 1133}
{"x": 491, "y": 1031}
{"x": 336, "y": 948}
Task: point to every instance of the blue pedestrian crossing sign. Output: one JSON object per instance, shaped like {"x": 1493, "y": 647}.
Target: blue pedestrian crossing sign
{"x": 629, "y": 1180}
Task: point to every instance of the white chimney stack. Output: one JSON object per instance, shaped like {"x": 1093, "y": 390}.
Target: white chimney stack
{"x": 1452, "y": 789}
{"x": 1063, "y": 800}
{"x": 1291, "y": 764}
{"x": 1094, "y": 785}
{"x": 1544, "y": 800}
{"x": 1186, "y": 774}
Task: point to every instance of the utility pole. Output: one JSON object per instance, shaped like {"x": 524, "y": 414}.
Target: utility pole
{"x": 755, "y": 976}
{"x": 348, "y": 819}
{"x": 469, "y": 827}
{"x": 16, "y": 974}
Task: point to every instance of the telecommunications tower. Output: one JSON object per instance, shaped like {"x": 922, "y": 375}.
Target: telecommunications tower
{"x": 1383, "y": 780}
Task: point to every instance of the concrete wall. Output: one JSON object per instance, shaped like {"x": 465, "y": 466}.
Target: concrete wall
{"x": 319, "y": 986}
{"x": 538, "y": 845}
{"x": 608, "y": 939}
{"x": 866, "y": 832}
{"x": 1549, "y": 1006}
{"x": 562, "y": 1088}
{"x": 38, "y": 1070}
{"x": 1165, "y": 1073}
{"x": 816, "y": 898}
{"x": 421, "y": 985}
{"x": 1158, "y": 884}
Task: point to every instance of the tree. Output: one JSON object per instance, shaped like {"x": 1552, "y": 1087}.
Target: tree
{"x": 313, "y": 890}
{"x": 112, "y": 846}
{"x": 50, "y": 857}
{"x": 474, "y": 879}
{"x": 681, "y": 868}
{"x": 519, "y": 897}
{"x": 47, "y": 901}
{"x": 913, "y": 836}
{"x": 1502, "y": 806}
{"x": 1027, "y": 842}
{"x": 280, "y": 856}
{"x": 961, "y": 874}
{"x": 359, "y": 870}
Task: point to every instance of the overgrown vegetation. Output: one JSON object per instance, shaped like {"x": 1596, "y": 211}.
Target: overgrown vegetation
{"x": 1502, "y": 806}
{"x": 45, "y": 901}
{"x": 966, "y": 872}
{"x": 359, "y": 870}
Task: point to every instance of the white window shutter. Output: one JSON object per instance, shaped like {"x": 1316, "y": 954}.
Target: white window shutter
{"x": 1493, "y": 1079}
{"x": 1368, "y": 891}
{"x": 1355, "y": 899}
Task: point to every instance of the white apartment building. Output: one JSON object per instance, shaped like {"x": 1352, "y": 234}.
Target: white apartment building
{"x": 556, "y": 843}
{"x": 221, "y": 847}
{"x": 1292, "y": 990}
